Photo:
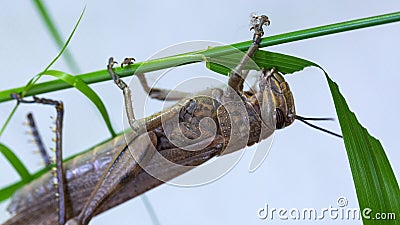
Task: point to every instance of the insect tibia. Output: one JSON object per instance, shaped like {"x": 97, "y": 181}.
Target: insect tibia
{"x": 304, "y": 120}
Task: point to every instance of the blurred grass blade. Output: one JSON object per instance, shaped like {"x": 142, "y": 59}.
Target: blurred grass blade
{"x": 16, "y": 163}
{"x": 87, "y": 91}
{"x": 8, "y": 119}
{"x": 44, "y": 13}
{"x": 213, "y": 52}
{"x": 375, "y": 182}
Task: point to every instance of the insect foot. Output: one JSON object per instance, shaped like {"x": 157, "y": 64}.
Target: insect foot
{"x": 257, "y": 25}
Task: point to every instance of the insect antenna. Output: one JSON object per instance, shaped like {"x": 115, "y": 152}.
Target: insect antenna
{"x": 304, "y": 120}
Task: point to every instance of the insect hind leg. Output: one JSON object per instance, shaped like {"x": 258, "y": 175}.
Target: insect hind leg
{"x": 38, "y": 140}
{"x": 59, "y": 173}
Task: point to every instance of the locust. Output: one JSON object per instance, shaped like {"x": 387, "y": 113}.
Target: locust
{"x": 160, "y": 147}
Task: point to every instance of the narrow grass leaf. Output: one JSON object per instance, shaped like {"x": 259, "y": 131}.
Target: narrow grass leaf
{"x": 16, "y": 163}
{"x": 376, "y": 185}
{"x": 192, "y": 57}
{"x": 8, "y": 191}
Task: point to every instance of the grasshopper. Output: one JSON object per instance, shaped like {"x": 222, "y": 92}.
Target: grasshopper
{"x": 160, "y": 147}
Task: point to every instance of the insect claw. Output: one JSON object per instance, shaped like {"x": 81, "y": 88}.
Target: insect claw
{"x": 36, "y": 152}
{"x": 127, "y": 61}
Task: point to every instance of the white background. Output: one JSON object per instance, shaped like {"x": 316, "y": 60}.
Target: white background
{"x": 305, "y": 168}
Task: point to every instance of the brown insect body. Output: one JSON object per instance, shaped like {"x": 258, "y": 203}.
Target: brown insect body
{"x": 237, "y": 117}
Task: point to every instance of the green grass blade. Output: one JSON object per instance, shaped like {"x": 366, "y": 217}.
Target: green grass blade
{"x": 16, "y": 163}
{"x": 68, "y": 79}
{"x": 198, "y": 56}
{"x": 374, "y": 179}
{"x": 65, "y": 45}
{"x": 87, "y": 91}
{"x": 72, "y": 64}
{"x": 3, "y": 128}
{"x": 286, "y": 64}
{"x": 375, "y": 182}
{"x": 8, "y": 191}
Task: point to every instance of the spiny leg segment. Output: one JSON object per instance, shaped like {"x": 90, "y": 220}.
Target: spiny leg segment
{"x": 156, "y": 93}
{"x": 38, "y": 140}
{"x": 59, "y": 172}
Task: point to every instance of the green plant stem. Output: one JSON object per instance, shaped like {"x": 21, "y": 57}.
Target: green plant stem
{"x": 72, "y": 64}
{"x": 198, "y": 56}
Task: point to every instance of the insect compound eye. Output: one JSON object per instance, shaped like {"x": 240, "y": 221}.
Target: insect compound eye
{"x": 280, "y": 119}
